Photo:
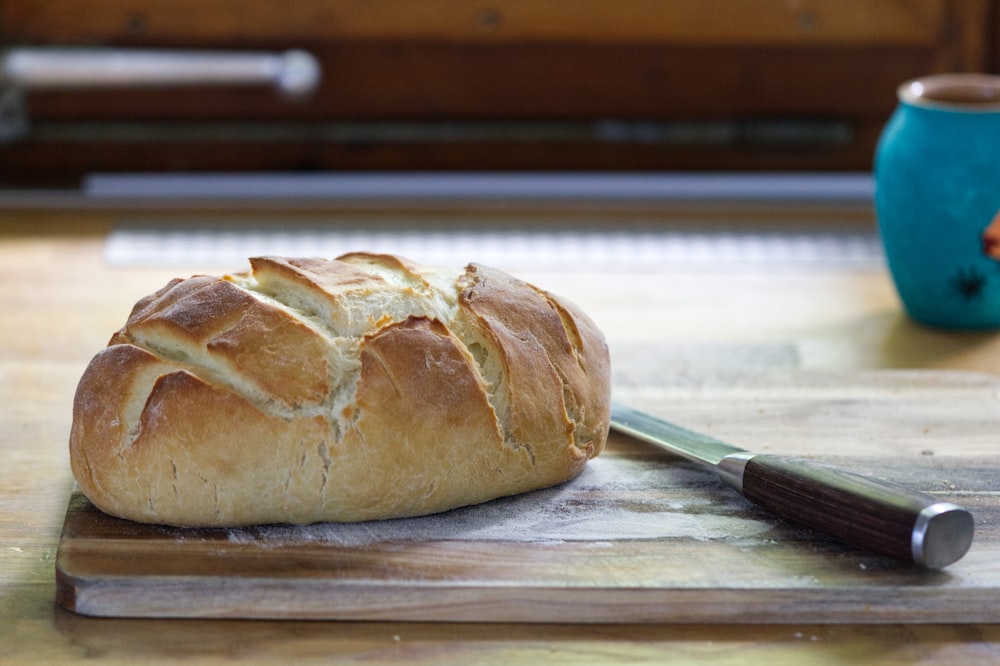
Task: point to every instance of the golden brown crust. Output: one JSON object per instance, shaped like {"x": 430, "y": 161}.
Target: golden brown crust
{"x": 313, "y": 390}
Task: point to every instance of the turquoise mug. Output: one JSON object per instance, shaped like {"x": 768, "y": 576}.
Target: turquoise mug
{"x": 937, "y": 199}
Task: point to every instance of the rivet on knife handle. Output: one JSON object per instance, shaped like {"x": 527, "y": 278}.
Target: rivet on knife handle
{"x": 883, "y": 517}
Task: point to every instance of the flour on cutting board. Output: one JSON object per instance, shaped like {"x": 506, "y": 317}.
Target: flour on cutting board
{"x": 613, "y": 499}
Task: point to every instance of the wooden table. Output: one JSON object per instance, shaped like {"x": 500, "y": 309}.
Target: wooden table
{"x": 61, "y": 302}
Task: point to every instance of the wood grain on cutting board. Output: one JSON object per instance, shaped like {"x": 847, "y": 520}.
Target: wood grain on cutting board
{"x": 640, "y": 536}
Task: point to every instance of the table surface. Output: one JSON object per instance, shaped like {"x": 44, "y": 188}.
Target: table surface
{"x": 61, "y": 299}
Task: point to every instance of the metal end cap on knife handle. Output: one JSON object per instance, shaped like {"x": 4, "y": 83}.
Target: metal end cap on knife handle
{"x": 942, "y": 534}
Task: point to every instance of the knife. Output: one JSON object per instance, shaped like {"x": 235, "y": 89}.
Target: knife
{"x": 875, "y": 515}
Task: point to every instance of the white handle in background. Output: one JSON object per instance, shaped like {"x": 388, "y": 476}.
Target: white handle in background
{"x": 293, "y": 73}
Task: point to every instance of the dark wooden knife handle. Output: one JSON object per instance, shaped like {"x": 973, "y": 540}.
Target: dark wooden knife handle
{"x": 883, "y": 517}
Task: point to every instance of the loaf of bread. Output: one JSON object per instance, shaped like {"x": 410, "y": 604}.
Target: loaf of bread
{"x": 309, "y": 390}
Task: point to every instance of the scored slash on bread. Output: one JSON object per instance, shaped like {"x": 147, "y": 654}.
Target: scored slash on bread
{"x": 361, "y": 388}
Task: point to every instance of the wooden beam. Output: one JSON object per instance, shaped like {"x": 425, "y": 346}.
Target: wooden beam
{"x": 702, "y": 22}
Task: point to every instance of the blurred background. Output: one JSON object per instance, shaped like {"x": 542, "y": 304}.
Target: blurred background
{"x": 466, "y": 85}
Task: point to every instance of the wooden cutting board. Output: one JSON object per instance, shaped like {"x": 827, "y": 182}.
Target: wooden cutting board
{"x": 640, "y": 536}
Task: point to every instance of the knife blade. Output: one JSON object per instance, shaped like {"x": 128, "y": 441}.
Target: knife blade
{"x": 876, "y": 515}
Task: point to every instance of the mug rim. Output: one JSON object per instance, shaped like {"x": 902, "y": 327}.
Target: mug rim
{"x": 986, "y": 87}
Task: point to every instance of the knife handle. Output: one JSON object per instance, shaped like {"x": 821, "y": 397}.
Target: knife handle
{"x": 876, "y": 515}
